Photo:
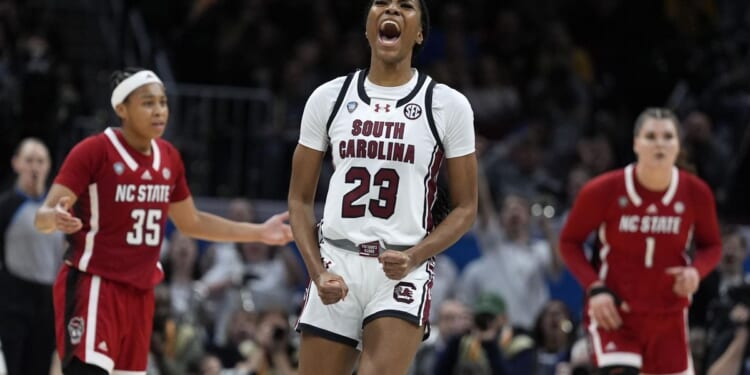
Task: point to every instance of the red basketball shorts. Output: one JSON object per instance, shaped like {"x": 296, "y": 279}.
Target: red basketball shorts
{"x": 103, "y": 323}
{"x": 656, "y": 343}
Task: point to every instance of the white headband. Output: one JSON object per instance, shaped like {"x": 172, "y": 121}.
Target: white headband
{"x": 131, "y": 83}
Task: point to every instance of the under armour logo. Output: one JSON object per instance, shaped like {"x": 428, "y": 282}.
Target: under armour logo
{"x": 386, "y": 107}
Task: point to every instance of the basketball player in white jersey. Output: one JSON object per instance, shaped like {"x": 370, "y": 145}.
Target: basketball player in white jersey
{"x": 371, "y": 263}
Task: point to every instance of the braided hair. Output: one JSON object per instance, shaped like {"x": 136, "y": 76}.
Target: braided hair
{"x": 120, "y": 75}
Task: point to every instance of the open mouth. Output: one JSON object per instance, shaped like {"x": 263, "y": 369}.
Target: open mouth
{"x": 389, "y": 32}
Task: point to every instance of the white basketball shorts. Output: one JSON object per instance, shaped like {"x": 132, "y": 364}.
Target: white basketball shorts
{"x": 371, "y": 295}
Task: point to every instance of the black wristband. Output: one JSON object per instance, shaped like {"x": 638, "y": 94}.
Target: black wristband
{"x": 599, "y": 289}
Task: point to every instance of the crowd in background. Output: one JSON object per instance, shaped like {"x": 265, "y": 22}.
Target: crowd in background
{"x": 555, "y": 87}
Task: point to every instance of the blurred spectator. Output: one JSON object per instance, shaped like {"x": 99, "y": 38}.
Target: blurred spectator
{"x": 730, "y": 353}
{"x": 274, "y": 352}
{"x": 443, "y": 286}
{"x": 254, "y": 277}
{"x": 211, "y": 365}
{"x": 181, "y": 274}
{"x": 219, "y": 284}
{"x": 513, "y": 264}
{"x": 176, "y": 345}
{"x": 453, "y": 319}
{"x": 554, "y": 335}
{"x": 29, "y": 261}
{"x": 713, "y": 292}
{"x": 240, "y": 342}
{"x": 478, "y": 352}
{"x": 270, "y": 277}
{"x": 710, "y": 311}
{"x": 704, "y": 150}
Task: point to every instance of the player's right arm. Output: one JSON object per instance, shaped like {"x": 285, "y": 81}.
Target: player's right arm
{"x": 75, "y": 175}
{"x": 587, "y": 214}
{"x": 54, "y": 214}
{"x": 306, "y": 166}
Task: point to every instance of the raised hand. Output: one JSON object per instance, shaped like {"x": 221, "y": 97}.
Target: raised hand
{"x": 276, "y": 231}
{"x": 396, "y": 264}
{"x": 64, "y": 221}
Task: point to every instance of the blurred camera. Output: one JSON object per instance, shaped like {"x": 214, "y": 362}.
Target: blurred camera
{"x": 483, "y": 320}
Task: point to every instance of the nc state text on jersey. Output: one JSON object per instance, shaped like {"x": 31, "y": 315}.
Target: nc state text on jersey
{"x": 142, "y": 193}
{"x": 372, "y": 149}
{"x": 650, "y": 224}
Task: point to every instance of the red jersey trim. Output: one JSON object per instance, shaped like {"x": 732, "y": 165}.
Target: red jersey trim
{"x": 125, "y": 155}
{"x": 603, "y": 252}
{"x": 633, "y": 193}
{"x": 92, "y": 356}
{"x": 88, "y": 249}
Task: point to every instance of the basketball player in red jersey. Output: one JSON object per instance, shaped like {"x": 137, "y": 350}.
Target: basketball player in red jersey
{"x": 112, "y": 197}
{"x": 646, "y": 215}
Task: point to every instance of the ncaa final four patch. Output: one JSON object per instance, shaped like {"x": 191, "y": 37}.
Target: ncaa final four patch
{"x": 119, "y": 168}
{"x": 351, "y": 106}
{"x": 622, "y": 201}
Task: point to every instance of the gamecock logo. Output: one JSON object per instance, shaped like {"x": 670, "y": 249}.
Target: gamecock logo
{"x": 404, "y": 292}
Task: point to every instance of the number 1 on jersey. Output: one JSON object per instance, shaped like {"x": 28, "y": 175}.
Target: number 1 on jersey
{"x": 149, "y": 219}
{"x": 650, "y": 248}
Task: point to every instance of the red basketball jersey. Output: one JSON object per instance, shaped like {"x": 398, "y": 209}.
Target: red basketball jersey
{"x": 641, "y": 234}
{"x": 123, "y": 202}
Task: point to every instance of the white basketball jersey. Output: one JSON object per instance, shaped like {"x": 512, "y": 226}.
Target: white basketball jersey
{"x": 387, "y": 144}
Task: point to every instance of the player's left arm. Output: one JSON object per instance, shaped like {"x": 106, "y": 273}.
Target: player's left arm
{"x": 454, "y": 111}
{"x": 462, "y": 183}
{"x": 203, "y": 225}
{"x": 707, "y": 241}
{"x": 706, "y": 232}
